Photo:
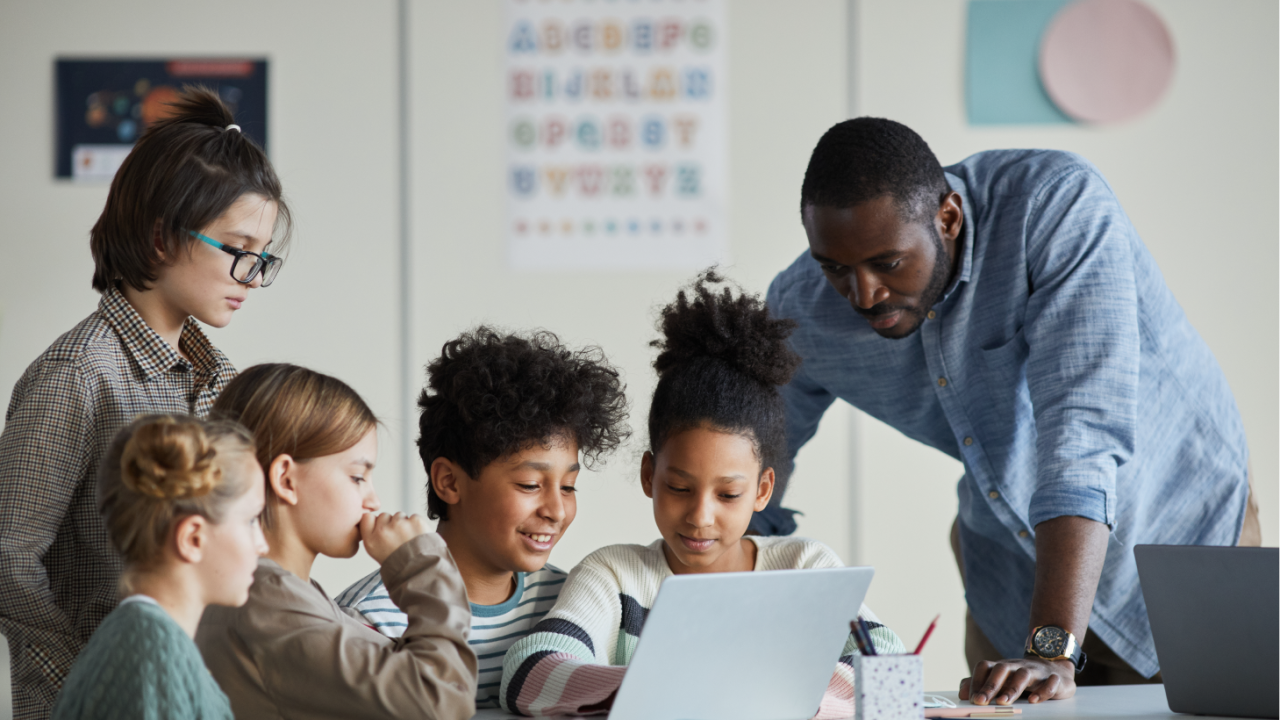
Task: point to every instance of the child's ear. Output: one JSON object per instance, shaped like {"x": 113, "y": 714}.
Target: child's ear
{"x": 191, "y": 537}
{"x": 157, "y": 237}
{"x": 445, "y": 478}
{"x": 646, "y": 473}
{"x": 282, "y": 477}
{"x": 764, "y": 489}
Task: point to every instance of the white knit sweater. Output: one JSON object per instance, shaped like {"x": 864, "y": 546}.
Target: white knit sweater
{"x": 576, "y": 657}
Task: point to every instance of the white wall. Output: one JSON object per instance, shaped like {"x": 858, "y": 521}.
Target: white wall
{"x": 1198, "y": 176}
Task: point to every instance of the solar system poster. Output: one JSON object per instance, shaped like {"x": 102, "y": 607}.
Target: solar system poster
{"x": 616, "y": 134}
{"x": 103, "y": 106}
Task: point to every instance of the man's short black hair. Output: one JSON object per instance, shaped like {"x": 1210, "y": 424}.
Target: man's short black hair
{"x": 490, "y": 394}
{"x": 866, "y": 158}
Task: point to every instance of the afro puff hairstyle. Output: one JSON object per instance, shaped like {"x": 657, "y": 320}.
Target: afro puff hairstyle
{"x": 491, "y": 394}
{"x": 866, "y": 158}
{"x": 721, "y": 359}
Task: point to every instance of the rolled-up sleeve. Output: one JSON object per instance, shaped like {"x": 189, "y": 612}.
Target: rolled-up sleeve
{"x": 1081, "y": 329}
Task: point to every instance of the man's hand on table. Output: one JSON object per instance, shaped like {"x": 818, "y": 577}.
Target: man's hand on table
{"x": 1070, "y": 552}
{"x": 1004, "y": 681}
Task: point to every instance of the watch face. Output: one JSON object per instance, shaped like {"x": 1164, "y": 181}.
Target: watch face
{"x": 1049, "y": 641}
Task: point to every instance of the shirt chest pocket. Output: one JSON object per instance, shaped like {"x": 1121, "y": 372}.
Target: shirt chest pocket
{"x": 1007, "y": 407}
{"x": 1005, "y": 363}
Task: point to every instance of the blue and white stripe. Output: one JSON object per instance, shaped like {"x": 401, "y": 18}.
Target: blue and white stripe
{"x": 494, "y": 628}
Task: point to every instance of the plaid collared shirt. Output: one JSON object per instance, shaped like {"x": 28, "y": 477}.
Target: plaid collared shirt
{"x": 58, "y": 571}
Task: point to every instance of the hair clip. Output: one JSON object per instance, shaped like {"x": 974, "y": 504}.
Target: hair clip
{"x": 232, "y": 127}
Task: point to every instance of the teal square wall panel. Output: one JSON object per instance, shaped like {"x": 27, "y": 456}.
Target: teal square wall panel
{"x": 1002, "y": 77}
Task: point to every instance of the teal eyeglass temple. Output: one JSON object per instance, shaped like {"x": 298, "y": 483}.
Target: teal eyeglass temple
{"x": 266, "y": 262}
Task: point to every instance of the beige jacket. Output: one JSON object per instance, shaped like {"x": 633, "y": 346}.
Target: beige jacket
{"x": 291, "y": 652}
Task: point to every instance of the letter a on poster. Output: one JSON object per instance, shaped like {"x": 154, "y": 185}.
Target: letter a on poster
{"x": 615, "y": 134}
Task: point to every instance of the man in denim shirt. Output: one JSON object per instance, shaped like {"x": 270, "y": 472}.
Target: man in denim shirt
{"x": 1005, "y": 312}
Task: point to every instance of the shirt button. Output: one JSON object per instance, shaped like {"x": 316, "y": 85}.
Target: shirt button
{"x": 968, "y": 441}
{"x": 1023, "y": 533}
{"x": 931, "y": 315}
{"x": 993, "y": 495}
{"x": 942, "y": 382}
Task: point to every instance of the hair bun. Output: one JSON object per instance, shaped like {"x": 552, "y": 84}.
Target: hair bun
{"x": 168, "y": 460}
{"x": 196, "y": 104}
{"x": 707, "y": 321}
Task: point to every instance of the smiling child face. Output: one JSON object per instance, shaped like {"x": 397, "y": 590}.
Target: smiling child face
{"x": 513, "y": 513}
{"x": 705, "y": 484}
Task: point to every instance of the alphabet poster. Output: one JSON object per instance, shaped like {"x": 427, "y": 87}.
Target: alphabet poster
{"x": 616, "y": 134}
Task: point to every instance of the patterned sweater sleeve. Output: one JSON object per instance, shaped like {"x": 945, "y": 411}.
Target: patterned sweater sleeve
{"x": 837, "y": 702}
{"x": 566, "y": 665}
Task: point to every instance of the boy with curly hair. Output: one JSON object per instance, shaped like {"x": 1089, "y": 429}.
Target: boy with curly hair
{"x": 503, "y": 420}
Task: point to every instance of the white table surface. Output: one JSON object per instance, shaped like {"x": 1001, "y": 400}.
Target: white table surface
{"x": 1117, "y": 702}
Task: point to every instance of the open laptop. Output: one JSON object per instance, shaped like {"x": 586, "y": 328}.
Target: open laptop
{"x": 1213, "y": 614}
{"x": 741, "y": 646}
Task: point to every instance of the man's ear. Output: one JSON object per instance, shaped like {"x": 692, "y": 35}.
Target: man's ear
{"x": 764, "y": 489}
{"x": 646, "y": 474}
{"x": 191, "y": 537}
{"x": 446, "y": 479}
{"x": 282, "y": 477}
{"x": 950, "y": 218}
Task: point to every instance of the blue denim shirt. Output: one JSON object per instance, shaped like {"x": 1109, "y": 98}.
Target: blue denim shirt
{"x": 1060, "y": 370}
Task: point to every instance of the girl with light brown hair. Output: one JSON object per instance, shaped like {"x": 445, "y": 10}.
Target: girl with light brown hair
{"x": 181, "y": 499}
{"x": 291, "y": 651}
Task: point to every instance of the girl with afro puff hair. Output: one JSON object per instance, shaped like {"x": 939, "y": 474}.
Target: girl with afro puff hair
{"x": 716, "y": 435}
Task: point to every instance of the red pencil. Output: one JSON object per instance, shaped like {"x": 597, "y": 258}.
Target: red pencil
{"x": 927, "y": 633}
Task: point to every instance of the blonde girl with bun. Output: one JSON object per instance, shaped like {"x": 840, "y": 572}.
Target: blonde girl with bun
{"x": 290, "y": 651}
{"x": 181, "y": 499}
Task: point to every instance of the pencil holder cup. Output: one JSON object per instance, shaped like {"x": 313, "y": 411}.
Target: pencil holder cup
{"x": 888, "y": 687}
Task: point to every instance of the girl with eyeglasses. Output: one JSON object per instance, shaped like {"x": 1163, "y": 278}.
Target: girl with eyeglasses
{"x": 194, "y": 220}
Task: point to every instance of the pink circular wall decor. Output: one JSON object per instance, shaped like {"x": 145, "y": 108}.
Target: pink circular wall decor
{"x": 1104, "y": 61}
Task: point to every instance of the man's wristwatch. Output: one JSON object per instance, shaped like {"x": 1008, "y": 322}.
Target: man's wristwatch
{"x": 1053, "y": 643}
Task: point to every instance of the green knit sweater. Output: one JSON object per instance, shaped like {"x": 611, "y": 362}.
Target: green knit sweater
{"x": 141, "y": 665}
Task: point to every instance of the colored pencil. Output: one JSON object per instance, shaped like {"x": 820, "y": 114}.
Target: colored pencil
{"x": 856, "y": 631}
{"x": 927, "y": 633}
{"x": 866, "y": 630}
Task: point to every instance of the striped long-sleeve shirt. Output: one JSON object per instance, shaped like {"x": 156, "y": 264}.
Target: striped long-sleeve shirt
{"x": 494, "y": 628}
{"x": 575, "y": 658}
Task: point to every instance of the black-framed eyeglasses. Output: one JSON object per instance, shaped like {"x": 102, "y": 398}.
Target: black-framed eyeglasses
{"x": 245, "y": 272}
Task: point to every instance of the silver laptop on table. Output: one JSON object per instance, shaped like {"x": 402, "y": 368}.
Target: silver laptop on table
{"x": 741, "y": 646}
{"x": 1214, "y": 614}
